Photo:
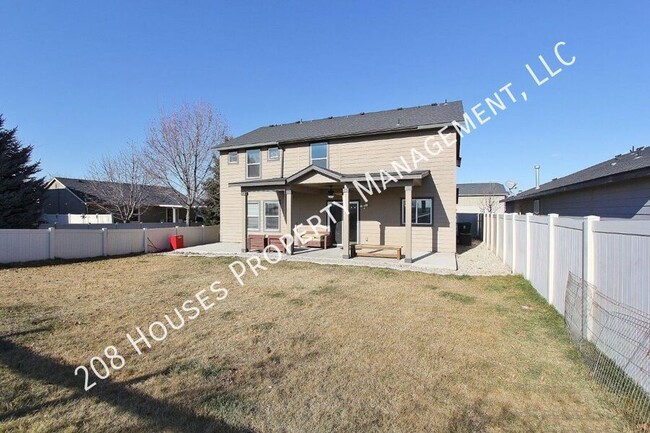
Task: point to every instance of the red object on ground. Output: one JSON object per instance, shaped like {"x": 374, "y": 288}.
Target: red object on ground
{"x": 176, "y": 241}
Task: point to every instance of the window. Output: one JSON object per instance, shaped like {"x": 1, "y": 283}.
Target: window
{"x": 421, "y": 211}
{"x": 272, "y": 216}
{"x": 318, "y": 154}
{"x": 273, "y": 154}
{"x": 253, "y": 215}
{"x": 233, "y": 158}
{"x": 253, "y": 163}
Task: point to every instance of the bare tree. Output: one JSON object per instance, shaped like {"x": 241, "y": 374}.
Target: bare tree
{"x": 179, "y": 150}
{"x": 490, "y": 201}
{"x": 118, "y": 183}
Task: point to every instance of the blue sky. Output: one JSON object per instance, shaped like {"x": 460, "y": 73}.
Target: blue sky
{"x": 80, "y": 79}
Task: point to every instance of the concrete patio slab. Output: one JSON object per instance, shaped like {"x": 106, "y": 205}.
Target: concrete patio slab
{"x": 474, "y": 261}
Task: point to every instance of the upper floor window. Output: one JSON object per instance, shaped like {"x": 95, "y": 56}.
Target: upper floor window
{"x": 233, "y": 157}
{"x": 318, "y": 153}
{"x": 421, "y": 211}
{"x": 253, "y": 163}
{"x": 273, "y": 154}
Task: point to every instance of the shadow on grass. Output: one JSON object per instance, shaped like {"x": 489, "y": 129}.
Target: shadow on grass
{"x": 53, "y": 262}
{"x": 157, "y": 414}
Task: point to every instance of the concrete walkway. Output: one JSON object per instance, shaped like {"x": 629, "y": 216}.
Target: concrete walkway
{"x": 470, "y": 261}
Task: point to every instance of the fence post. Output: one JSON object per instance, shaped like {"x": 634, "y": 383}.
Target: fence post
{"x": 529, "y": 246}
{"x": 202, "y": 233}
{"x": 504, "y": 246}
{"x": 552, "y": 217}
{"x": 498, "y": 233}
{"x": 145, "y": 246}
{"x": 51, "y": 241}
{"x": 588, "y": 273}
{"x": 514, "y": 242}
{"x": 104, "y": 242}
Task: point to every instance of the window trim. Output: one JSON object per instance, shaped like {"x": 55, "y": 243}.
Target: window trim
{"x": 268, "y": 154}
{"x": 279, "y": 216}
{"x": 248, "y": 227}
{"x": 236, "y": 161}
{"x": 402, "y": 214}
{"x": 250, "y": 164}
{"x": 327, "y": 156}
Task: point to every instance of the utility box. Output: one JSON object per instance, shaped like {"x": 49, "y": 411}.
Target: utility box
{"x": 176, "y": 241}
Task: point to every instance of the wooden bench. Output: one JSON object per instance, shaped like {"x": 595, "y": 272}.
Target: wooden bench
{"x": 376, "y": 251}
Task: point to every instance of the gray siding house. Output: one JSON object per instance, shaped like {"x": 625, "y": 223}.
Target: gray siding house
{"x": 474, "y": 199}
{"x": 617, "y": 188}
{"x": 77, "y": 196}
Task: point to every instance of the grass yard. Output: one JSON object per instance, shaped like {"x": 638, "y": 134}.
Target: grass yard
{"x": 302, "y": 348}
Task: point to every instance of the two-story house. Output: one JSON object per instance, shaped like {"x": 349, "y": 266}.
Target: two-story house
{"x": 278, "y": 176}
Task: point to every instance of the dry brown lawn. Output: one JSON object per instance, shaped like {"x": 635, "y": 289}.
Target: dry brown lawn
{"x": 302, "y": 348}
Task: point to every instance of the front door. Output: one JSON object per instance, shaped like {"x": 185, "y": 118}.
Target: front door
{"x": 336, "y": 227}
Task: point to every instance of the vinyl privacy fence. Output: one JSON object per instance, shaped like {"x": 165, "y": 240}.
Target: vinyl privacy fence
{"x": 604, "y": 265}
{"x": 44, "y": 244}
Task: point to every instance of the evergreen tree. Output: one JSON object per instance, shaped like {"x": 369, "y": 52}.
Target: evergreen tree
{"x": 211, "y": 210}
{"x": 21, "y": 192}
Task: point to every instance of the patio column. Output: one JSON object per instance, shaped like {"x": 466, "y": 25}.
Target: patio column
{"x": 408, "y": 244}
{"x": 288, "y": 207}
{"x": 345, "y": 231}
{"x": 174, "y": 215}
{"x": 244, "y": 222}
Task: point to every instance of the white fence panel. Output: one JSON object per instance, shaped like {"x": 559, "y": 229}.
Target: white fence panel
{"x": 507, "y": 240}
{"x": 24, "y": 245}
{"x": 499, "y": 245}
{"x": 126, "y": 241}
{"x": 158, "y": 239}
{"x": 520, "y": 244}
{"x": 622, "y": 261}
{"x": 191, "y": 235}
{"x": 77, "y": 244}
{"x": 212, "y": 234}
{"x": 539, "y": 254}
{"x": 567, "y": 257}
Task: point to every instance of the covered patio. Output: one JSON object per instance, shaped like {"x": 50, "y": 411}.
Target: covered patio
{"x": 318, "y": 196}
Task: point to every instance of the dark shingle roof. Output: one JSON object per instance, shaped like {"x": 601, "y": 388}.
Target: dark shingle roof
{"x": 401, "y": 119}
{"x": 154, "y": 195}
{"x": 485, "y": 188}
{"x": 617, "y": 166}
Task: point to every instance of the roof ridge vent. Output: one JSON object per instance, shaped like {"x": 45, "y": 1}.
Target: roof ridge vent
{"x": 362, "y": 113}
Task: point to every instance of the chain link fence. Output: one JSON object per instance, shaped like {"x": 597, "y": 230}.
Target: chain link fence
{"x": 614, "y": 340}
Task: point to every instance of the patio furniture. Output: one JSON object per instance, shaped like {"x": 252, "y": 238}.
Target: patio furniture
{"x": 321, "y": 237}
{"x": 256, "y": 242}
{"x": 365, "y": 250}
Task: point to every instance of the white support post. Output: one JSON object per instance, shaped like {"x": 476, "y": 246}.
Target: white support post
{"x": 244, "y": 222}
{"x": 174, "y": 215}
{"x": 289, "y": 211}
{"x": 345, "y": 235}
{"x": 408, "y": 229}
{"x": 51, "y": 240}
{"x": 514, "y": 242}
{"x": 552, "y": 218}
{"x": 588, "y": 274}
{"x": 484, "y": 225}
{"x": 104, "y": 242}
{"x": 145, "y": 244}
{"x": 529, "y": 246}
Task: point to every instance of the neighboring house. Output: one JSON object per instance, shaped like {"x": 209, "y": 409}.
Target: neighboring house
{"x": 76, "y": 196}
{"x": 617, "y": 188}
{"x": 276, "y": 177}
{"x": 475, "y": 199}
